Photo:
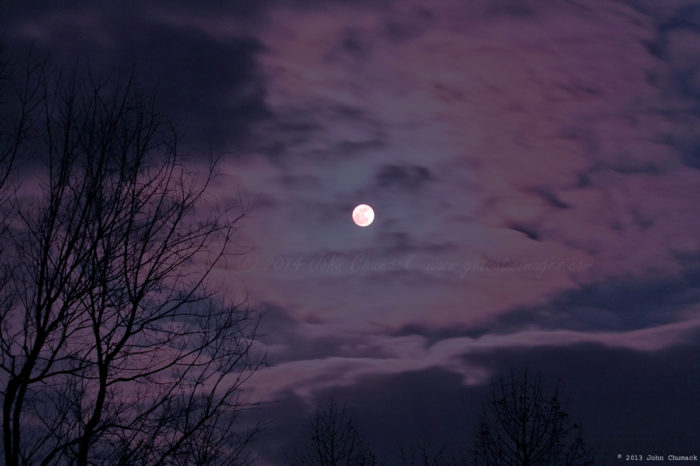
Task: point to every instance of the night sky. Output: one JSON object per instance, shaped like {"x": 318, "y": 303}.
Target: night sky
{"x": 534, "y": 168}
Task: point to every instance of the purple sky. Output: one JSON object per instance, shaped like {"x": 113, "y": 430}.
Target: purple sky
{"x": 534, "y": 168}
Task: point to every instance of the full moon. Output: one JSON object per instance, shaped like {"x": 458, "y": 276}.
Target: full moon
{"x": 363, "y": 215}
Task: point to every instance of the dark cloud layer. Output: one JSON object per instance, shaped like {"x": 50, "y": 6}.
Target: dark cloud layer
{"x": 613, "y": 305}
{"x": 210, "y": 87}
{"x": 411, "y": 177}
{"x": 626, "y": 401}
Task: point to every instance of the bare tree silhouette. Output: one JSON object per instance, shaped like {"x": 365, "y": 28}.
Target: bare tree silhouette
{"x": 332, "y": 439}
{"x": 523, "y": 425}
{"x": 112, "y": 348}
{"x": 19, "y": 100}
{"x": 421, "y": 454}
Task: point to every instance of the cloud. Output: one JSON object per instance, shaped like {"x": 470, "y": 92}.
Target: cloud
{"x": 611, "y": 305}
{"x": 212, "y": 88}
{"x": 410, "y": 177}
{"x": 644, "y": 398}
{"x": 387, "y": 355}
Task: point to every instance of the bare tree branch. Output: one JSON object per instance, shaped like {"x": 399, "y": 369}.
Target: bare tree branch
{"x": 524, "y": 426}
{"x": 112, "y": 348}
{"x": 332, "y": 439}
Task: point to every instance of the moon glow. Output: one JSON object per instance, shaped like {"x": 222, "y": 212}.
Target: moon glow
{"x": 363, "y": 215}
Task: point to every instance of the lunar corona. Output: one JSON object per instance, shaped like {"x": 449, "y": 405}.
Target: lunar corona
{"x": 363, "y": 215}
